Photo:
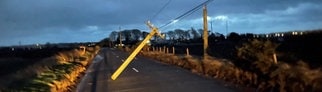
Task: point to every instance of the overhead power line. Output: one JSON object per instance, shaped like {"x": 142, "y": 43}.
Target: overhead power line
{"x": 186, "y": 13}
{"x": 156, "y": 14}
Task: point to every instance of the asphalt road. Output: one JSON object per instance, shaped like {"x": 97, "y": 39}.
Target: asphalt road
{"x": 143, "y": 75}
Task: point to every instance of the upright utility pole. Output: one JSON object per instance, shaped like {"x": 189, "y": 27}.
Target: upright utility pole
{"x": 205, "y": 31}
{"x": 226, "y": 27}
{"x": 211, "y": 26}
{"x": 120, "y": 36}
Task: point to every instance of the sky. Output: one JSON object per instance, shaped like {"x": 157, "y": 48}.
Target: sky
{"x": 57, "y": 21}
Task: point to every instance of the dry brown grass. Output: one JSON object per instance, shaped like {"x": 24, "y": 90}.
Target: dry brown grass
{"x": 284, "y": 78}
{"x": 296, "y": 77}
{"x": 68, "y": 56}
{"x": 195, "y": 65}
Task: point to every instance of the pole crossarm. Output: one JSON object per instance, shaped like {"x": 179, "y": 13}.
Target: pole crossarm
{"x": 154, "y": 28}
{"x": 154, "y": 31}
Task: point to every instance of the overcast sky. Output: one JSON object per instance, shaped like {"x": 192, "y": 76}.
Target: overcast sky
{"x": 55, "y": 21}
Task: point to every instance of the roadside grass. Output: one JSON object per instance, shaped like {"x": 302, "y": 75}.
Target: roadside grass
{"x": 25, "y": 73}
{"x": 282, "y": 77}
{"x": 56, "y": 79}
{"x": 55, "y": 74}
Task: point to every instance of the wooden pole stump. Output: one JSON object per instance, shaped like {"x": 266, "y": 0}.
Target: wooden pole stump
{"x": 173, "y": 51}
{"x": 187, "y": 51}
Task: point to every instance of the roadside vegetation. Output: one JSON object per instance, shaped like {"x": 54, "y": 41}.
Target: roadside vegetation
{"x": 256, "y": 68}
{"x": 265, "y": 62}
{"x": 55, "y": 72}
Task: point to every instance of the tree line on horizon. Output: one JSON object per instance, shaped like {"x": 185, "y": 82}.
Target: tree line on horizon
{"x": 135, "y": 35}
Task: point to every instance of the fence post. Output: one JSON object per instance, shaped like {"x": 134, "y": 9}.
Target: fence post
{"x": 187, "y": 51}
{"x": 167, "y": 51}
{"x": 173, "y": 51}
{"x": 160, "y": 49}
{"x": 148, "y": 49}
{"x": 275, "y": 58}
{"x": 152, "y": 49}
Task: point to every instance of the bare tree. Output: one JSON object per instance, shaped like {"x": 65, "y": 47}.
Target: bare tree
{"x": 200, "y": 32}
{"x": 113, "y": 36}
{"x": 195, "y": 34}
{"x": 127, "y": 35}
{"x": 144, "y": 34}
{"x": 136, "y": 34}
{"x": 171, "y": 35}
{"x": 187, "y": 35}
{"x": 179, "y": 33}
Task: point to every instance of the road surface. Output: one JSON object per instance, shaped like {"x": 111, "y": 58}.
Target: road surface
{"x": 143, "y": 75}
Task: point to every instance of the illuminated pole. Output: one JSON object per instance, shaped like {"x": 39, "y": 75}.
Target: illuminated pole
{"x": 205, "y": 31}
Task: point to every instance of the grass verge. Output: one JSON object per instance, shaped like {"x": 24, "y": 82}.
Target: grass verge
{"x": 282, "y": 77}
{"x": 55, "y": 74}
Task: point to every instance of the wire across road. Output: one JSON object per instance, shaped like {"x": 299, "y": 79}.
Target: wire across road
{"x": 143, "y": 75}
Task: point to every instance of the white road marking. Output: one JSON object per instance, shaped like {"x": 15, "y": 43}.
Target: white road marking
{"x": 135, "y": 70}
{"x": 117, "y": 56}
{"x": 122, "y": 60}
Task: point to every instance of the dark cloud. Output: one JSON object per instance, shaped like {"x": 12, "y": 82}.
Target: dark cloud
{"x": 34, "y": 21}
{"x": 255, "y": 6}
{"x": 304, "y": 16}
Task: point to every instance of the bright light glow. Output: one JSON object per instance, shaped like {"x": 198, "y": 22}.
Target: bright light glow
{"x": 277, "y": 34}
{"x": 209, "y": 18}
{"x": 174, "y": 21}
{"x": 221, "y": 17}
{"x": 294, "y": 33}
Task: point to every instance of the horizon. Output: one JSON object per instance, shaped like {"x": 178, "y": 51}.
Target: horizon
{"x": 30, "y": 44}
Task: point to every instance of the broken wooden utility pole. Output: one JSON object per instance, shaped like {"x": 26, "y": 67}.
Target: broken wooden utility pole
{"x": 154, "y": 31}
